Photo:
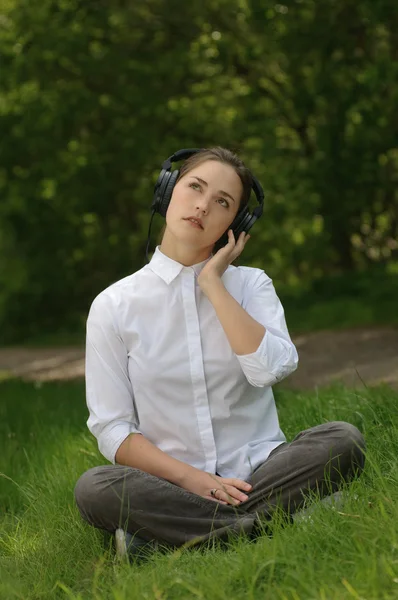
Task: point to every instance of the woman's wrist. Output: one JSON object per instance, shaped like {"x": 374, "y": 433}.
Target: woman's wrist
{"x": 184, "y": 475}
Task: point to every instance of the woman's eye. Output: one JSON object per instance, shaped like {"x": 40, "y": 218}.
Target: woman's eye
{"x": 194, "y": 185}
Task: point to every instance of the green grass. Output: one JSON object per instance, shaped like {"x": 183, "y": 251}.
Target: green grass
{"x": 47, "y": 551}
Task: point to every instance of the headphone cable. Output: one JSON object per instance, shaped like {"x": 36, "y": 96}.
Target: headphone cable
{"x": 149, "y": 236}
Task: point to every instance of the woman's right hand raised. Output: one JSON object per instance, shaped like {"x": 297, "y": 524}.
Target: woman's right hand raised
{"x": 226, "y": 490}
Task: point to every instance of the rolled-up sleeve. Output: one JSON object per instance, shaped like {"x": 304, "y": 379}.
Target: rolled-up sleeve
{"x": 276, "y": 357}
{"x": 109, "y": 393}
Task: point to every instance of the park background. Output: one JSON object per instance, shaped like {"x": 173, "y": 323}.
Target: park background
{"x": 94, "y": 96}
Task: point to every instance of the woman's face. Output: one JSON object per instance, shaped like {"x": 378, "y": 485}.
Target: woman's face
{"x": 210, "y": 191}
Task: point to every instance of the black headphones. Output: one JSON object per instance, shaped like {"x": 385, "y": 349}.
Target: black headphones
{"x": 163, "y": 191}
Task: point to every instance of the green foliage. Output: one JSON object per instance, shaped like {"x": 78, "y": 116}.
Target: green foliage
{"x": 368, "y": 298}
{"x": 95, "y": 95}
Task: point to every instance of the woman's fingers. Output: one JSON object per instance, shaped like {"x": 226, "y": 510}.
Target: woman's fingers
{"x": 232, "y": 494}
{"x": 228, "y": 495}
{"x": 231, "y": 490}
{"x": 237, "y": 494}
{"x": 217, "y": 500}
{"x": 224, "y": 498}
{"x": 241, "y": 485}
{"x": 238, "y": 483}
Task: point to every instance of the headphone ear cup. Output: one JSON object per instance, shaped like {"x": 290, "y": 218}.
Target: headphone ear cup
{"x": 241, "y": 223}
{"x": 166, "y": 196}
{"x": 220, "y": 243}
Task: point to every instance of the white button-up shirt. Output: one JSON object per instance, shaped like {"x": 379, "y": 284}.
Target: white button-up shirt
{"x": 158, "y": 362}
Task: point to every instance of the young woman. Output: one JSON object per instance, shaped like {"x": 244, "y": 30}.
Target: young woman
{"x": 181, "y": 357}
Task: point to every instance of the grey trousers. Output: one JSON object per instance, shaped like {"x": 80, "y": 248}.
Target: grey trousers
{"x": 321, "y": 459}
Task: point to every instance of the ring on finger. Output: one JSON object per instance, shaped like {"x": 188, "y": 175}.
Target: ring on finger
{"x": 213, "y": 492}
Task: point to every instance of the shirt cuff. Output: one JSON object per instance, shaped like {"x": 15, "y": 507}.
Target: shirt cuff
{"x": 112, "y": 436}
{"x": 275, "y": 358}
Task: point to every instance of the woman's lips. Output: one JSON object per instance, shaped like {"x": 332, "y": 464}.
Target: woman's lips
{"x": 193, "y": 224}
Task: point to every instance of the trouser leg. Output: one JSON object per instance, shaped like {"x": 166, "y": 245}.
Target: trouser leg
{"x": 321, "y": 458}
{"x": 110, "y": 496}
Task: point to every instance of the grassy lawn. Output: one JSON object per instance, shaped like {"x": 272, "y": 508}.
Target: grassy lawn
{"x": 47, "y": 551}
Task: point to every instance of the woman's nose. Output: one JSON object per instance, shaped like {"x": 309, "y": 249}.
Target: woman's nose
{"x": 203, "y": 202}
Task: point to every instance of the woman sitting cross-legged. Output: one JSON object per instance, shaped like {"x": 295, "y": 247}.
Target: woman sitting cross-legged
{"x": 181, "y": 357}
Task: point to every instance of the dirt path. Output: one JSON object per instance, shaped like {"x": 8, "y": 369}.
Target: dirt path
{"x": 356, "y": 357}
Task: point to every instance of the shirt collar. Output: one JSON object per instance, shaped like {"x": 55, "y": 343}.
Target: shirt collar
{"x": 168, "y": 269}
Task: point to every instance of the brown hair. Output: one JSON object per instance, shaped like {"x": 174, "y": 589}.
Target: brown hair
{"x": 227, "y": 157}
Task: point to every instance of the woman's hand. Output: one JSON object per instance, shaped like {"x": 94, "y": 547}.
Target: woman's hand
{"x": 226, "y": 490}
{"x": 223, "y": 258}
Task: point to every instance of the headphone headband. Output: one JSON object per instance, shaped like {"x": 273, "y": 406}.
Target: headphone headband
{"x": 182, "y": 154}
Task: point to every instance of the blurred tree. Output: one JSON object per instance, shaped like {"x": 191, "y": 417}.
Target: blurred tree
{"x": 84, "y": 111}
{"x": 95, "y": 95}
{"x": 319, "y": 114}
